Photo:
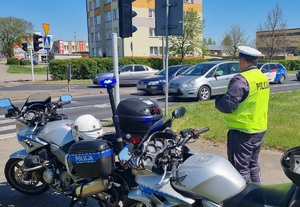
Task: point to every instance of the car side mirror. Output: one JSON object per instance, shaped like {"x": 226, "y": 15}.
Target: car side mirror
{"x": 217, "y": 73}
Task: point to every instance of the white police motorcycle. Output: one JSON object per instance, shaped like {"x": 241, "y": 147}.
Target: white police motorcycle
{"x": 167, "y": 176}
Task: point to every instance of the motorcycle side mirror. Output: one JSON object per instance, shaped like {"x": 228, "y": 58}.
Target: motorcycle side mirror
{"x": 66, "y": 98}
{"x": 5, "y": 103}
{"x": 125, "y": 154}
{"x": 179, "y": 112}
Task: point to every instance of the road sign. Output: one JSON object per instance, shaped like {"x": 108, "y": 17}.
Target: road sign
{"x": 46, "y": 43}
{"x": 46, "y": 28}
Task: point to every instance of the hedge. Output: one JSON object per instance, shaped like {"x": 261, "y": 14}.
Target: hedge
{"x": 86, "y": 68}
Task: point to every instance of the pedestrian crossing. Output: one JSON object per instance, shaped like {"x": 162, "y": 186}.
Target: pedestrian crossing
{"x": 7, "y": 128}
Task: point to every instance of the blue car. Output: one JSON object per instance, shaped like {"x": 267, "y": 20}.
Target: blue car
{"x": 275, "y": 72}
{"x": 154, "y": 84}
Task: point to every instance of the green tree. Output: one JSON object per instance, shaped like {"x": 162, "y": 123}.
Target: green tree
{"x": 191, "y": 40}
{"x": 12, "y": 30}
{"x": 234, "y": 37}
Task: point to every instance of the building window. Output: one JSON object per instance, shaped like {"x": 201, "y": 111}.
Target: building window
{"x": 97, "y": 4}
{"x": 116, "y": 14}
{"x": 92, "y": 37}
{"x": 108, "y": 51}
{"x": 107, "y": 1}
{"x": 154, "y": 51}
{"x": 97, "y": 20}
{"x": 151, "y": 13}
{"x": 152, "y": 32}
{"x": 91, "y": 21}
{"x": 108, "y": 16}
{"x": 108, "y": 34}
{"x": 91, "y": 5}
{"x": 98, "y": 36}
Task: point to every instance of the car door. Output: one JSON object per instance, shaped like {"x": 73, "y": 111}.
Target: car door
{"x": 125, "y": 74}
{"x": 138, "y": 73}
{"x": 273, "y": 72}
{"x": 265, "y": 69}
{"x": 219, "y": 83}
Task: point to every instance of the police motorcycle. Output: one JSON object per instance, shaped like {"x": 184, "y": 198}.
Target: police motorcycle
{"x": 74, "y": 158}
{"x": 165, "y": 178}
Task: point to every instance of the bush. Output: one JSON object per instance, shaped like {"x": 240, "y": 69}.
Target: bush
{"x": 13, "y": 61}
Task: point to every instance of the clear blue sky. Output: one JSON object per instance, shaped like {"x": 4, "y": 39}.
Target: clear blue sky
{"x": 64, "y": 16}
{"x": 68, "y": 16}
{"x": 219, "y": 15}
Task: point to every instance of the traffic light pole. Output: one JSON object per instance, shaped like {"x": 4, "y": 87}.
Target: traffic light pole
{"x": 32, "y": 71}
{"x": 116, "y": 68}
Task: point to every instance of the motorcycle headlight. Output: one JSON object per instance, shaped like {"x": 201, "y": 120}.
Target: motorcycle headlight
{"x": 189, "y": 84}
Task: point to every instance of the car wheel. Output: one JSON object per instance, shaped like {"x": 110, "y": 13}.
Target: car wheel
{"x": 204, "y": 93}
{"x": 282, "y": 79}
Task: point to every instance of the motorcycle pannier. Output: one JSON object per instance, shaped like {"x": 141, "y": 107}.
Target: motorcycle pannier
{"x": 137, "y": 115}
{"x": 92, "y": 158}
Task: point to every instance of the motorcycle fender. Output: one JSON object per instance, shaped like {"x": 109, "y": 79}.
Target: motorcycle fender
{"x": 137, "y": 195}
{"x": 19, "y": 154}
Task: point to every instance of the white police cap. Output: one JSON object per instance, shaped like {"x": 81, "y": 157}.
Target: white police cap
{"x": 248, "y": 52}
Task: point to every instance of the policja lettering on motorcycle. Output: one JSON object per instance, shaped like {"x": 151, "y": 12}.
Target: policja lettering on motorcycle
{"x": 245, "y": 105}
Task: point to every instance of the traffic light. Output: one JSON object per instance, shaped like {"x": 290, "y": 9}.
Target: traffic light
{"x": 125, "y": 18}
{"x": 37, "y": 42}
{"x": 24, "y": 46}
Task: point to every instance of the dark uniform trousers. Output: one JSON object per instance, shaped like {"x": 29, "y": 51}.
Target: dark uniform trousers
{"x": 242, "y": 152}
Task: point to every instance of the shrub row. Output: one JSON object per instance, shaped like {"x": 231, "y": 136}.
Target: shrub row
{"x": 85, "y": 68}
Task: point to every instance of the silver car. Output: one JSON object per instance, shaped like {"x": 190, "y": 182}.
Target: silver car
{"x": 204, "y": 80}
{"x": 128, "y": 74}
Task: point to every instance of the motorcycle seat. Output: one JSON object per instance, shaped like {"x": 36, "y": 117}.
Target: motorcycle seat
{"x": 259, "y": 195}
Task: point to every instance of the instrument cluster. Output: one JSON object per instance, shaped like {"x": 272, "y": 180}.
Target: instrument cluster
{"x": 155, "y": 150}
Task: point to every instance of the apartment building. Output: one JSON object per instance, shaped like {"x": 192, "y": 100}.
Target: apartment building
{"x": 103, "y": 20}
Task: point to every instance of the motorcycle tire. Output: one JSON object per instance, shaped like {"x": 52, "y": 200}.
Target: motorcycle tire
{"x": 33, "y": 184}
{"x": 133, "y": 203}
{"x": 126, "y": 181}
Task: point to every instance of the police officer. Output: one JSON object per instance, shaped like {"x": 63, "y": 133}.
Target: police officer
{"x": 245, "y": 108}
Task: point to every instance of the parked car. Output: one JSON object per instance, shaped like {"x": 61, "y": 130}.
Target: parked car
{"x": 298, "y": 75}
{"x": 154, "y": 84}
{"x": 23, "y": 61}
{"x": 275, "y": 72}
{"x": 128, "y": 74}
{"x": 204, "y": 80}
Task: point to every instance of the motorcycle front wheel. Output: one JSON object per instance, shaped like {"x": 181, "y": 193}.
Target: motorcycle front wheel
{"x": 30, "y": 183}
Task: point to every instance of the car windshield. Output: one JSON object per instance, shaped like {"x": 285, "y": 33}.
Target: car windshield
{"x": 171, "y": 70}
{"x": 199, "y": 69}
{"x": 259, "y": 65}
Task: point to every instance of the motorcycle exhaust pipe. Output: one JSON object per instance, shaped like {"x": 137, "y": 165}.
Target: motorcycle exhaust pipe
{"x": 94, "y": 187}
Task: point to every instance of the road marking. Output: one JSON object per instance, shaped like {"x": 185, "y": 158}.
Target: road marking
{"x": 8, "y": 127}
{"x": 8, "y": 135}
{"x": 5, "y": 121}
{"x": 106, "y": 105}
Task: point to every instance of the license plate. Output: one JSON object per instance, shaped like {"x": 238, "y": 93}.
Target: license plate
{"x": 142, "y": 86}
{"x": 173, "y": 90}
